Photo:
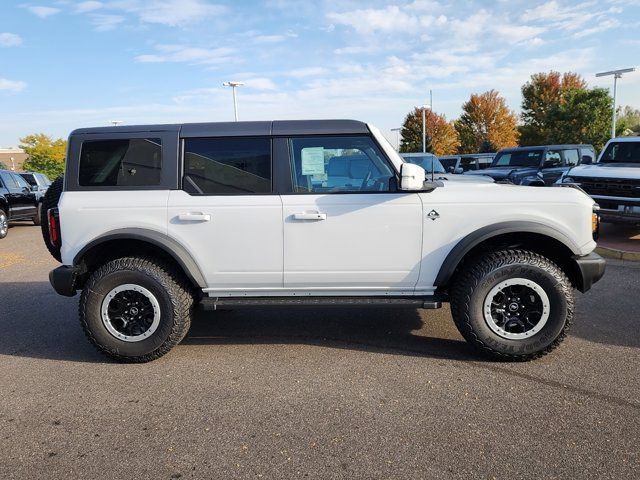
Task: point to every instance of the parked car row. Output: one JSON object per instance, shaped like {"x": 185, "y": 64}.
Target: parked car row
{"x": 21, "y": 197}
{"x": 613, "y": 179}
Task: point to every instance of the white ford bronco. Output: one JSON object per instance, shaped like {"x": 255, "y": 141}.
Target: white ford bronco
{"x": 151, "y": 221}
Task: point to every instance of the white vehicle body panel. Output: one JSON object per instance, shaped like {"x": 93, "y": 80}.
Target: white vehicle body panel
{"x": 368, "y": 242}
{"x": 240, "y": 247}
{"x": 605, "y": 170}
{"x": 85, "y": 216}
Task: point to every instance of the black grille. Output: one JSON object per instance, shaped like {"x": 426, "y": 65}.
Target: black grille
{"x": 611, "y": 187}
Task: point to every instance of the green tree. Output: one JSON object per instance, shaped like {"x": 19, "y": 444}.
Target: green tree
{"x": 486, "y": 124}
{"x": 584, "y": 116}
{"x": 3, "y": 166}
{"x": 540, "y": 98}
{"x": 628, "y": 121}
{"x": 45, "y": 155}
{"x": 441, "y": 137}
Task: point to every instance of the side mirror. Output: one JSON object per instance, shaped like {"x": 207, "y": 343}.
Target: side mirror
{"x": 451, "y": 169}
{"x": 458, "y": 170}
{"x": 587, "y": 160}
{"x": 412, "y": 177}
{"x": 34, "y": 188}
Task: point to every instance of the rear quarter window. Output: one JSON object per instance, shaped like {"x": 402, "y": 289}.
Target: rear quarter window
{"x": 130, "y": 162}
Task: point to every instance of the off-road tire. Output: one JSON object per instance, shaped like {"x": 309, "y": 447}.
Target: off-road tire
{"x": 50, "y": 200}
{"x": 164, "y": 281}
{"x": 4, "y": 215}
{"x": 37, "y": 218}
{"x": 476, "y": 279}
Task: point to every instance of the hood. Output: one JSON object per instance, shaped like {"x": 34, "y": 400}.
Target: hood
{"x": 499, "y": 173}
{"x": 463, "y": 178}
{"x": 606, "y": 170}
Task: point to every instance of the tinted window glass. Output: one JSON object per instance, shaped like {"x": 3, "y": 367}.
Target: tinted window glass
{"x": 571, "y": 157}
{"x": 30, "y": 178}
{"x": 126, "y": 162}
{"x": 523, "y": 158}
{"x": 449, "y": 163}
{"x": 22, "y": 183}
{"x": 621, "y": 152}
{"x": 227, "y": 165}
{"x": 338, "y": 164}
{"x": 426, "y": 161}
{"x": 553, "y": 158}
{"x": 7, "y": 179}
{"x": 468, "y": 164}
{"x": 587, "y": 152}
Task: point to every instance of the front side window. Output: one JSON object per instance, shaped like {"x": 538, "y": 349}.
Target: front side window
{"x": 22, "y": 183}
{"x": 223, "y": 166}
{"x": 587, "y": 154}
{"x": 338, "y": 164}
{"x": 30, "y": 177}
{"x": 127, "y": 162}
{"x": 521, "y": 158}
{"x": 8, "y": 180}
{"x": 468, "y": 164}
{"x": 571, "y": 157}
{"x": 552, "y": 159}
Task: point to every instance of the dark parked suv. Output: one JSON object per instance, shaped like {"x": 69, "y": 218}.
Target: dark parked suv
{"x": 18, "y": 201}
{"x": 536, "y": 166}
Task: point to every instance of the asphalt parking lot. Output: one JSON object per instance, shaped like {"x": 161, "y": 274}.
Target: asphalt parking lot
{"x": 313, "y": 393}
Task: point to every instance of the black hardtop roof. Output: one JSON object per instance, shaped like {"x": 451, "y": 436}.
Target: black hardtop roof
{"x": 232, "y": 129}
{"x": 542, "y": 147}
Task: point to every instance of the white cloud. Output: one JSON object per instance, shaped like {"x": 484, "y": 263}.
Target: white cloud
{"x": 12, "y": 85}
{"x": 10, "y": 40}
{"x": 260, "y": 83}
{"x": 370, "y": 20}
{"x": 104, "y": 22}
{"x": 89, "y": 6}
{"x": 191, "y": 55}
{"x": 274, "y": 38}
{"x": 41, "y": 11}
{"x": 600, "y": 27}
{"x": 308, "y": 72}
{"x": 171, "y": 12}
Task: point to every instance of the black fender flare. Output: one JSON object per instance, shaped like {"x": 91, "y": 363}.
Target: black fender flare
{"x": 466, "y": 244}
{"x": 172, "y": 247}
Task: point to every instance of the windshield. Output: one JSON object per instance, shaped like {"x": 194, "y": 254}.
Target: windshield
{"x": 426, "y": 162}
{"x": 621, "y": 152}
{"x": 518, "y": 158}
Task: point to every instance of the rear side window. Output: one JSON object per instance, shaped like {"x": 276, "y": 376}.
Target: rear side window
{"x": 223, "y": 166}
{"x": 22, "y": 183}
{"x": 31, "y": 178}
{"x": 8, "y": 180}
{"x": 127, "y": 162}
{"x": 587, "y": 152}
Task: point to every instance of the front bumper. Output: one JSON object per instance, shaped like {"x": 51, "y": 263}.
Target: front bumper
{"x": 63, "y": 280}
{"x": 591, "y": 268}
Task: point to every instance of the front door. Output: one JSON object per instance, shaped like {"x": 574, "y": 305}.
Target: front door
{"x": 228, "y": 217}
{"x": 346, "y": 228}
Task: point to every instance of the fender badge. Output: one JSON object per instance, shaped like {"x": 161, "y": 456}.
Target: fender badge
{"x": 433, "y": 215}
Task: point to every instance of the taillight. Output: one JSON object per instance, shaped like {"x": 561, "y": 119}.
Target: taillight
{"x": 54, "y": 234}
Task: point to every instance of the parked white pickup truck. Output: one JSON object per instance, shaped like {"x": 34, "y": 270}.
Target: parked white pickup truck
{"x": 152, "y": 220}
{"x": 613, "y": 181}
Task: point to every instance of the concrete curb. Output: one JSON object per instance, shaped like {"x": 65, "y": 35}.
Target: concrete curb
{"x": 618, "y": 254}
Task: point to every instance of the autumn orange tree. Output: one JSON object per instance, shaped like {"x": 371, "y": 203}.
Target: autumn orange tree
{"x": 486, "y": 124}
{"x": 541, "y": 97}
{"x": 442, "y": 138}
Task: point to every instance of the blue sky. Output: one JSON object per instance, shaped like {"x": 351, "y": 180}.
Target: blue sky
{"x": 67, "y": 64}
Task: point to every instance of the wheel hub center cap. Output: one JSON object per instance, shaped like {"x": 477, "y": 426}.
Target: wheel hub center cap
{"x": 513, "y": 307}
{"x": 133, "y": 311}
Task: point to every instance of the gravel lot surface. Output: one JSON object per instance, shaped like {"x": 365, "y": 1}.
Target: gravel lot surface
{"x": 313, "y": 393}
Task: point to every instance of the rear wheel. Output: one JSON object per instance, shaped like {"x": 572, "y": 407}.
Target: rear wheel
{"x": 50, "y": 200}
{"x": 4, "y": 224}
{"x": 136, "y": 309}
{"x": 37, "y": 218}
{"x": 513, "y": 304}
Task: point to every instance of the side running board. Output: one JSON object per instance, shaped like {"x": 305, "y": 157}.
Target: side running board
{"x": 213, "y": 303}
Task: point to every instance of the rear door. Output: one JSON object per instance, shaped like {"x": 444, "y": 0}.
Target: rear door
{"x": 227, "y": 214}
{"x": 347, "y": 230}
{"x": 28, "y": 199}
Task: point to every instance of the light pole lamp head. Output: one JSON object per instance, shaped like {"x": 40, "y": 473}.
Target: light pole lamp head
{"x": 617, "y": 73}
{"x": 232, "y": 84}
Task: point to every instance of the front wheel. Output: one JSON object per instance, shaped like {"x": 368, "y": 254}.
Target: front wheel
{"x": 136, "y": 309}
{"x": 513, "y": 304}
{"x": 4, "y": 224}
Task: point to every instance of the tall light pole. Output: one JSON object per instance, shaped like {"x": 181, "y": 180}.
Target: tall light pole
{"x": 616, "y": 75}
{"x": 424, "y": 126}
{"x": 397, "y": 130}
{"x": 233, "y": 86}
{"x": 115, "y": 123}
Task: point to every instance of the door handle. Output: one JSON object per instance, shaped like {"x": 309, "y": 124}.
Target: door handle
{"x": 194, "y": 217}
{"x": 310, "y": 216}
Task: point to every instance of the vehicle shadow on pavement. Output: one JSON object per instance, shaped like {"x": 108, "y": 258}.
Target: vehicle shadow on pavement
{"x": 394, "y": 331}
